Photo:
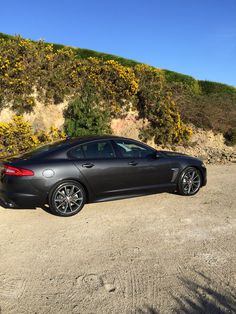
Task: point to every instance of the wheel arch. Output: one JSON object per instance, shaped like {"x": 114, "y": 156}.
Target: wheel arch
{"x": 87, "y": 191}
{"x": 190, "y": 166}
{"x": 200, "y": 171}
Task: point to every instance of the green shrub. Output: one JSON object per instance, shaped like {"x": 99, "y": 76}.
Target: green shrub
{"x": 208, "y": 87}
{"x": 84, "y": 117}
{"x": 185, "y": 81}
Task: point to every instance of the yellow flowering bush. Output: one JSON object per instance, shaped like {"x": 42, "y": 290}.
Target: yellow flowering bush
{"x": 156, "y": 105}
{"x": 106, "y": 89}
{"x": 27, "y": 67}
{"x": 113, "y": 84}
{"x": 35, "y": 69}
{"x": 17, "y": 136}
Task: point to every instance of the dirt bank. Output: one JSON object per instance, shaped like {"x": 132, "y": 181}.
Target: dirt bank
{"x": 155, "y": 254}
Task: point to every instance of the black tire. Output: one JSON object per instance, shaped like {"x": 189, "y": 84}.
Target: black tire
{"x": 190, "y": 181}
{"x": 67, "y": 199}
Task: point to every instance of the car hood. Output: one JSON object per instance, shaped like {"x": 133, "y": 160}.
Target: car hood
{"x": 173, "y": 154}
{"x": 179, "y": 155}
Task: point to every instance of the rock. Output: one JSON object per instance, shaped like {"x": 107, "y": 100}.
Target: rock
{"x": 109, "y": 287}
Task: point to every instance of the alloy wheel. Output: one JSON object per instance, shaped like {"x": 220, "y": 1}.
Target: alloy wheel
{"x": 191, "y": 181}
{"x": 68, "y": 199}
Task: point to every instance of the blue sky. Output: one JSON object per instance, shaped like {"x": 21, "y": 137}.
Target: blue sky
{"x": 195, "y": 37}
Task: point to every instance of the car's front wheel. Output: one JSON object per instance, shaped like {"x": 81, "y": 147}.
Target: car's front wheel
{"x": 190, "y": 181}
{"x": 67, "y": 199}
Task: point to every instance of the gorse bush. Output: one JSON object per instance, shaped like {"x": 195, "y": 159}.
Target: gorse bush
{"x": 106, "y": 87}
{"x": 85, "y": 53}
{"x": 111, "y": 83}
{"x": 156, "y": 105}
{"x": 17, "y": 137}
{"x": 100, "y": 100}
{"x": 26, "y": 68}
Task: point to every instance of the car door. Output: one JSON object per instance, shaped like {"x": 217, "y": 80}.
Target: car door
{"x": 99, "y": 166}
{"x": 141, "y": 168}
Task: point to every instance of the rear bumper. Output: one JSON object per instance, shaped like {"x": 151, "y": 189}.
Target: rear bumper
{"x": 20, "y": 192}
{"x": 19, "y": 200}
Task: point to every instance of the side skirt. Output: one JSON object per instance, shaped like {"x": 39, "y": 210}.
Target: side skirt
{"x": 116, "y": 196}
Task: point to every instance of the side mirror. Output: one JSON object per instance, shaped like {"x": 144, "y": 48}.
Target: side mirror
{"x": 158, "y": 155}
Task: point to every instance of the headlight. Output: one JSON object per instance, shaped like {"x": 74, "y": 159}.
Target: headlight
{"x": 203, "y": 165}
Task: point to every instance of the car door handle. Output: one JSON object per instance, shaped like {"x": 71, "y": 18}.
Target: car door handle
{"x": 132, "y": 163}
{"x": 88, "y": 165}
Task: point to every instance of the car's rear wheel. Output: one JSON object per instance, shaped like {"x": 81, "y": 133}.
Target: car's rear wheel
{"x": 67, "y": 199}
{"x": 190, "y": 181}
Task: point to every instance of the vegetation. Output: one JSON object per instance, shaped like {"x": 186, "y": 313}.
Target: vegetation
{"x": 101, "y": 86}
{"x": 84, "y": 53}
{"x": 27, "y": 68}
{"x": 156, "y": 105}
{"x": 208, "y": 87}
{"x": 84, "y": 117}
{"x": 113, "y": 85}
{"x": 230, "y": 136}
{"x": 17, "y": 137}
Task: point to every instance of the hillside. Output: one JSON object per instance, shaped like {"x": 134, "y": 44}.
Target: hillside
{"x": 38, "y": 78}
{"x": 207, "y": 87}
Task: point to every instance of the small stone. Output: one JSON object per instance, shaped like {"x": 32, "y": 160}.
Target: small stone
{"x": 110, "y": 287}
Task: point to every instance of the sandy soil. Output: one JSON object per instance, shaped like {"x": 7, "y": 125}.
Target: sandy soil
{"x": 156, "y": 254}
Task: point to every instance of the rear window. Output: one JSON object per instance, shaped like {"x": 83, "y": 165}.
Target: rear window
{"x": 44, "y": 149}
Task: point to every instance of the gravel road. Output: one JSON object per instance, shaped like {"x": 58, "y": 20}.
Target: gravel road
{"x": 155, "y": 254}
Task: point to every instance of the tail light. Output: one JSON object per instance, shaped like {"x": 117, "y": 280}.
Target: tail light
{"x": 13, "y": 171}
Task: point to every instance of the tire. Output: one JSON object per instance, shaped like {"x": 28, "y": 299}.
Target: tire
{"x": 67, "y": 199}
{"x": 190, "y": 181}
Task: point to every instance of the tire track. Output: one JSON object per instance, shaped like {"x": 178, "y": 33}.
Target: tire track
{"x": 12, "y": 287}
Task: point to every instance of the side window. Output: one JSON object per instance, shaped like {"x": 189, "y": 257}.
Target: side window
{"x": 77, "y": 153}
{"x": 130, "y": 149}
{"x": 98, "y": 150}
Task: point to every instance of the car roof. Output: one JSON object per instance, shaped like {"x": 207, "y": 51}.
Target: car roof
{"x": 73, "y": 141}
{"x": 82, "y": 139}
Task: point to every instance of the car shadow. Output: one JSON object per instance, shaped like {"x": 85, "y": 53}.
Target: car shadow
{"x": 44, "y": 207}
{"x": 4, "y": 205}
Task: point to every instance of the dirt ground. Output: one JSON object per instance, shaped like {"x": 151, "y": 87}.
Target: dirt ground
{"x": 155, "y": 254}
